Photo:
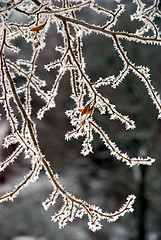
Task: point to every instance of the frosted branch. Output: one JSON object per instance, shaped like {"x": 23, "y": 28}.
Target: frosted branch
{"x": 16, "y": 96}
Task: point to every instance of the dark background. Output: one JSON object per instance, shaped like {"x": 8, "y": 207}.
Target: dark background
{"x": 98, "y": 178}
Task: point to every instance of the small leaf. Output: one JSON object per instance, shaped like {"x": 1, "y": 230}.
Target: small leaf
{"x": 86, "y": 110}
{"x": 38, "y": 28}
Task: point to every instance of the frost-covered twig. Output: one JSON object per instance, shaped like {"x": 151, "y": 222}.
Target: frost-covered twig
{"x": 85, "y": 92}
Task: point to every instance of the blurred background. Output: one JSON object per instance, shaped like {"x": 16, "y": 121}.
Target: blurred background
{"x": 98, "y": 178}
